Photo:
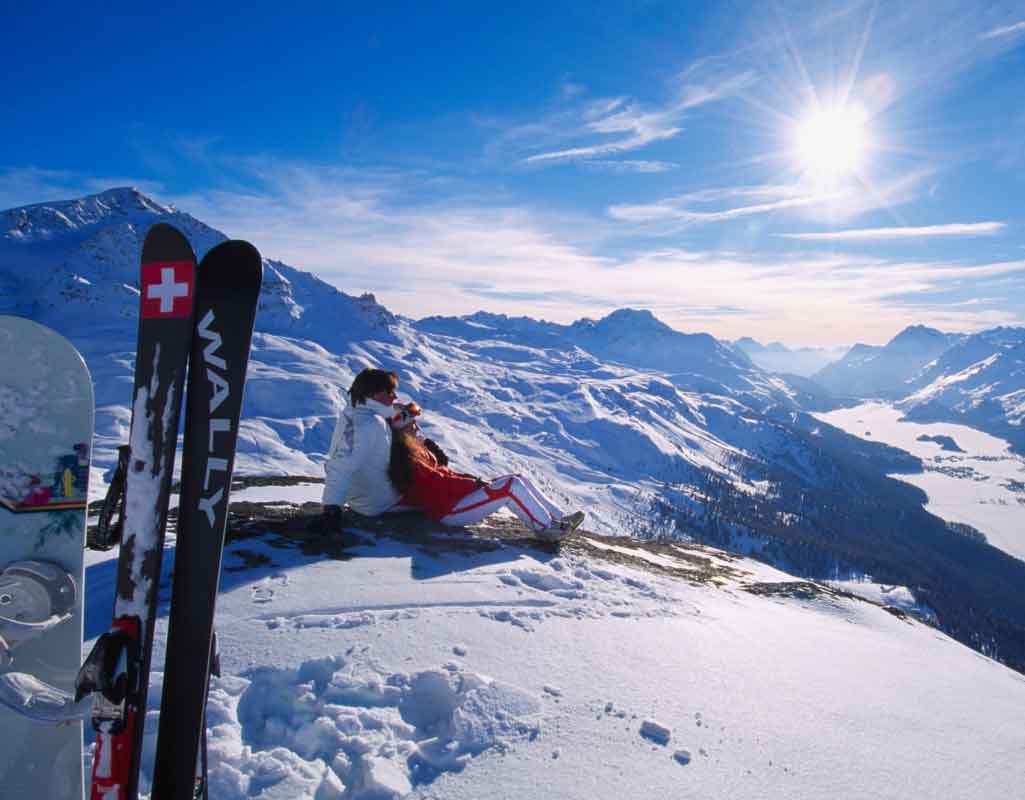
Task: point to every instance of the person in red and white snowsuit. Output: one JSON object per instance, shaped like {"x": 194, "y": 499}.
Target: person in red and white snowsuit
{"x": 456, "y": 498}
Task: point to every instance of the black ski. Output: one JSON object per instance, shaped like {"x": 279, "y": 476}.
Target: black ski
{"x": 117, "y": 670}
{"x": 228, "y": 287}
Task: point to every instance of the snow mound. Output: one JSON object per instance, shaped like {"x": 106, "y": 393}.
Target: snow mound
{"x": 333, "y": 729}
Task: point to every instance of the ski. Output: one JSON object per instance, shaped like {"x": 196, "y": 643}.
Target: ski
{"x": 117, "y": 670}
{"x": 46, "y": 428}
{"x": 227, "y": 290}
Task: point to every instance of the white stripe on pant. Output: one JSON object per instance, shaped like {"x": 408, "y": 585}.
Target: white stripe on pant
{"x": 514, "y": 492}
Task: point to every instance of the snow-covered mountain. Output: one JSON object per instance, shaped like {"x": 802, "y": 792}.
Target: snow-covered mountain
{"x": 868, "y": 371}
{"x": 423, "y": 663}
{"x": 73, "y": 265}
{"x": 976, "y": 379}
{"x": 696, "y": 362}
{"x": 660, "y": 403}
{"x": 979, "y": 381}
{"x": 777, "y": 357}
{"x": 652, "y": 431}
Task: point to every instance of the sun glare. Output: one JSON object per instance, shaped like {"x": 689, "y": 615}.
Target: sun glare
{"x": 832, "y": 143}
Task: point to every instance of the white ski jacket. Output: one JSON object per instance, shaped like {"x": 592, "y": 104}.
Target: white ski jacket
{"x": 356, "y": 471}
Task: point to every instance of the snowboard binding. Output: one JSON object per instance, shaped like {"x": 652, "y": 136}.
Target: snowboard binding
{"x": 35, "y": 596}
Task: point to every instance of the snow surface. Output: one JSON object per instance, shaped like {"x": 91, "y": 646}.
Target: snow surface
{"x": 983, "y": 487}
{"x": 295, "y": 495}
{"x": 455, "y": 672}
{"x": 885, "y": 594}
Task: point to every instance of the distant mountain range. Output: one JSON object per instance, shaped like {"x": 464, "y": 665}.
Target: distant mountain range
{"x": 980, "y": 381}
{"x": 975, "y": 379}
{"x": 652, "y": 431}
{"x": 868, "y": 371}
{"x": 626, "y": 395}
{"x": 777, "y": 357}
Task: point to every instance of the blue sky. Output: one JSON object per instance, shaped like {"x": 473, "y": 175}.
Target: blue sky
{"x": 810, "y": 172}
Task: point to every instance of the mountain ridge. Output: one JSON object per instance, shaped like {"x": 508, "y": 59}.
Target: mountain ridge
{"x": 884, "y": 372}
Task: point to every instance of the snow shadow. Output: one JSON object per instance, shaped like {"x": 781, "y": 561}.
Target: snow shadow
{"x": 260, "y": 546}
{"x": 434, "y": 549}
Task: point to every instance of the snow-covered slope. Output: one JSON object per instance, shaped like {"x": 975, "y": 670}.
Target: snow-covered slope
{"x": 696, "y": 361}
{"x": 979, "y": 381}
{"x": 613, "y": 407}
{"x": 432, "y": 664}
{"x": 72, "y": 265}
{"x": 650, "y": 430}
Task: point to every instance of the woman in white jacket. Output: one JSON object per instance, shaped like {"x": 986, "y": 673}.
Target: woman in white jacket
{"x": 356, "y": 472}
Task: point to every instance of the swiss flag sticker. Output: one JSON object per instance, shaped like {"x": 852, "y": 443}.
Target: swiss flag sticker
{"x": 167, "y": 289}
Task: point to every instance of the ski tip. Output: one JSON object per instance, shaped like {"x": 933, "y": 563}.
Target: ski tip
{"x": 165, "y": 242}
{"x": 162, "y": 230}
{"x": 236, "y": 257}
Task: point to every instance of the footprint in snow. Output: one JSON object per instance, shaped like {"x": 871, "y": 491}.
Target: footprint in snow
{"x": 264, "y": 590}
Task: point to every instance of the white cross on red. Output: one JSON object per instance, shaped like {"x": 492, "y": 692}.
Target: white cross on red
{"x": 167, "y": 290}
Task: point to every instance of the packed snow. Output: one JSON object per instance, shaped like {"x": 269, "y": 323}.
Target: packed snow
{"x": 448, "y": 669}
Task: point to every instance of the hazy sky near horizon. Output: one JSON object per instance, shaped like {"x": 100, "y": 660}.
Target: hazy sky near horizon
{"x": 816, "y": 173}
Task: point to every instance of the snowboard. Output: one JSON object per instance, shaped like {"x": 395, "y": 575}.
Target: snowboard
{"x": 227, "y": 290}
{"x": 46, "y": 428}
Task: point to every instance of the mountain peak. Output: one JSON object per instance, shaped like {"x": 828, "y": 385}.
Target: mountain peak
{"x": 918, "y": 335}
{"x": 56, "y": 218}
{"x": 625, "y": 319}
{"x": 634, "y": 316}
{"x": 749, "y": 345}
{"x": 127, "y": 199}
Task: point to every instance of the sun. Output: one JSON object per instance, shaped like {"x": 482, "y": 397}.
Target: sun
{"x": 831, "y": 143}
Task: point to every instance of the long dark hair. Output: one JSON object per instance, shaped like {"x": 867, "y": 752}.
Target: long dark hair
{"x": 371, "y": 381}
{"x": 406, "y": 451}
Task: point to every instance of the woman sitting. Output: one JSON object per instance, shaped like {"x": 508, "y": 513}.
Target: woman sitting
{"x": 455, "y": 498}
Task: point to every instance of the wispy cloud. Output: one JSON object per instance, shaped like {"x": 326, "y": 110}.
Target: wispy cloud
{"x": 627, "y": 165}
{"x": 842, "y": 203}
{"x": 869, "y": 234}
{"x": 1005, "y": 30}
{"x": 358, "y": 232}
{"x": 670, "y": 211}
{"x": 633, "y": 126}
{"x": 624, "y": 125}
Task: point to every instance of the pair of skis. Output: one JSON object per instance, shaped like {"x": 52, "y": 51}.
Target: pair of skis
{"x": 204, "y": 319}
